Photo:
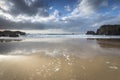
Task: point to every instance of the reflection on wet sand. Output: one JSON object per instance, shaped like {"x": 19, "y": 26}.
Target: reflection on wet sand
{"x": 109, "y": 43}
{"x": 43, "y": 67}
{"x": 9, "y": 40}
{"x": 72, "y": 59}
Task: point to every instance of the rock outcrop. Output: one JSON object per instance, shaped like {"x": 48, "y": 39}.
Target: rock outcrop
{"x": 109, "y": 30}
{"x": 106, "y": 30}
{"x": 11, "y": 33}
{"x": 90, "y": 33}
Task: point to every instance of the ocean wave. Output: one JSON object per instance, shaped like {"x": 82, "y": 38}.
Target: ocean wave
{"x": 68, "y": 36}
{"x": 37, "y": 36}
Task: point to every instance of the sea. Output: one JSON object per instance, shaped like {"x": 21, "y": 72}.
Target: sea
{"x": 82, "y": 36}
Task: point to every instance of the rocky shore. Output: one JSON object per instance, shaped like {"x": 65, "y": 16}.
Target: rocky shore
{"x": 106, "y": 30}
{"x": 7, "y": 33}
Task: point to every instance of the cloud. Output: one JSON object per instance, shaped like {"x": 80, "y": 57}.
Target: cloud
{"x": 89, "y": 15}
{"x": 5, "y": 5}
{"x": 34, "y": 14}
{"x": 67, "y": 8}
{"x": 50, "y": 8}
{"x": 86, "y": 7}
{"x": 104, "y": 19}
{"x": 7, "y": 24}
{"x": 29, "y": 7}
{"x": 22, "y": 14}
{"x": 56, "y": 13}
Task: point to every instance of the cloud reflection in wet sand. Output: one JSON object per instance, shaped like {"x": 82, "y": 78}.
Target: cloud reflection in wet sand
{"x": 67, "y": 60}
{"x": 43, "y": 67}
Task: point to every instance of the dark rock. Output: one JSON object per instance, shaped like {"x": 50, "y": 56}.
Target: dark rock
{"x": 90, "y": 33}
{"x": 20, "y": 33}
{"x": 11, "y": 33}
{"x": 109, "y": 30}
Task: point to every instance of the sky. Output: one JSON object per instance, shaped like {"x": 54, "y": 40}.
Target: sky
{"x": 58, "y": 15}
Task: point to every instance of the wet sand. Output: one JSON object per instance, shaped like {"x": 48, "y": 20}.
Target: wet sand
{"x": 74, "y": 59}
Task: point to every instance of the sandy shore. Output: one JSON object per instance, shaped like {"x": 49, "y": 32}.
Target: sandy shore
{"x": 43, "y": 67}
{"x": 74, "y": 59}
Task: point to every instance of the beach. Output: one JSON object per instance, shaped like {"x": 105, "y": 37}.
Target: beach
{"x": 59, "y": 39}
{"x": 60, "y": 59}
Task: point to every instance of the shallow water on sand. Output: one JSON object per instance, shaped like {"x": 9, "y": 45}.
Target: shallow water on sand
{"x": 60, "y": 59}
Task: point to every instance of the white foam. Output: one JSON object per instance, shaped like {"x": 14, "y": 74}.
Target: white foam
{"x": 39, "y": 36}
{"x": 68, "y": 36}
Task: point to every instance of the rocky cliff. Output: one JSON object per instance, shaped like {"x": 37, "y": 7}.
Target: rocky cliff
{"x": 109, "y": 30}
{"x": 106, "y": 30}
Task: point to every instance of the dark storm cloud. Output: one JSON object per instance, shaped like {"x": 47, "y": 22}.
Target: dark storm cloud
{"x": 29, "y": 7}
{"x": 7, "y": 24}
{"x": 96, "y": 4}
{"x": 25, "y": 8}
